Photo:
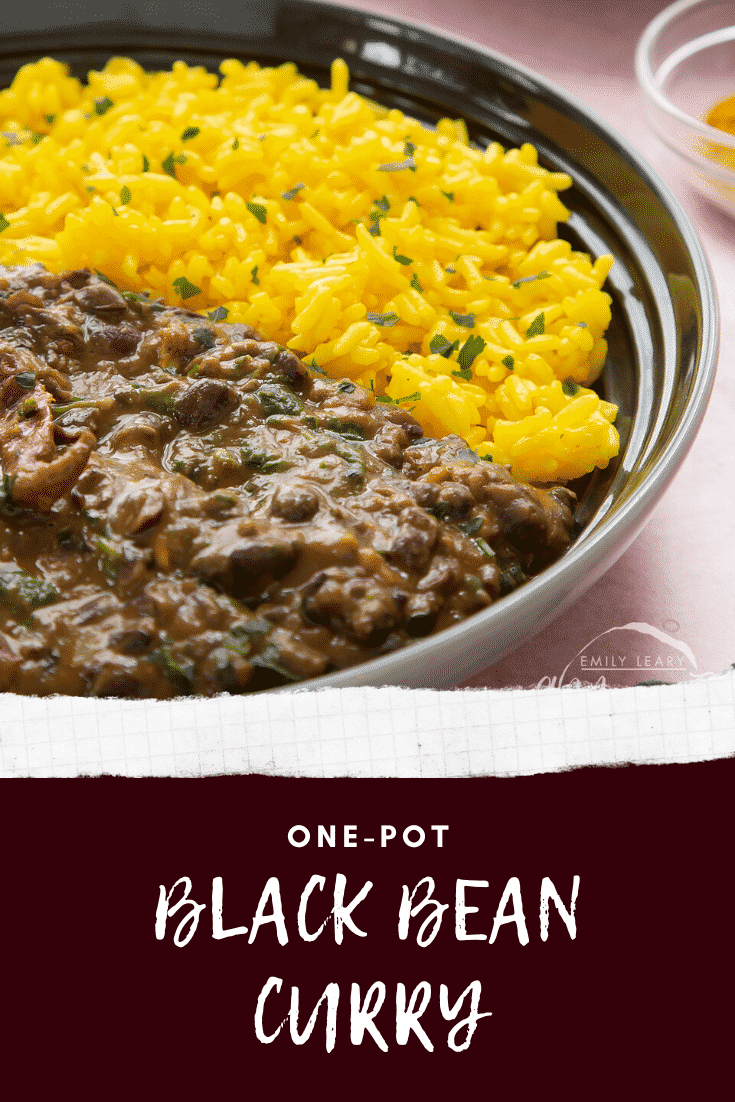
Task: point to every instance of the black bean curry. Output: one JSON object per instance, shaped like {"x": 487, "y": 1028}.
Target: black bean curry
{"x": 187, "y": 509}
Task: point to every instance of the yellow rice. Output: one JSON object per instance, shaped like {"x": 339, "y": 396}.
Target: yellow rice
{"x": 350, "y": 233}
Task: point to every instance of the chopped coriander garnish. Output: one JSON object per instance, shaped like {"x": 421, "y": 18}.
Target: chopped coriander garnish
{"x": 314, "y": 366}
{"x": 115, "y": 213}
{"x": 398, "y": 166}
{"x": 409, "y": 148}
{"x": 471, "y": 527}
{"x": 484, "y": 547}
{"x": 346, "y": 387}
{"x": 537, "y": 326}
{"x": 467, "y": 320}
{"x": 218, "y": 314}
{"x": 384, "y": 320}
{"x": 374, "y": 230}
{"x": 530, "y": 279}
{"x": 185, "y": 288}
{"x": 3, "y": 222}
{"x": 190, "y": 132}
{"x": 103, "y": 105}
{"x": 441, "y": 346}
{"x": 448, "y": 195}
{"x": 415, "y": 283}
{"x": 382, "y": 204}
{"x": 236, "y": 144}
{"x": 29, "y": 407}
{"x": 581, "y": 325}
{"x": 401, "y": 259}
{"x": 292, "y": 192}
{"x": 254, "y": 275}
{"x": 297, "y": 239}
{"x": 26, "y": 380}
{"x": 125, "y": 195}
{"x": 386, "y": 399}
{"x": 168, "y": 165}
{"x": 146, "y": 164}
{"x": 258, "y": 211}
{"x": 205, "y": 337}
{"x": 105, "y": 279}
{"x": 37, "y": 137}
{"x": 469, "y": 352}
{"x": 508, "y": 362}
{"x": 50, "y": 119}
{"x": 569, "y": 387}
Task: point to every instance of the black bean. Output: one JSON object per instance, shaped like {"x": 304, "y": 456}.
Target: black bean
{"x": 204, "y": 403}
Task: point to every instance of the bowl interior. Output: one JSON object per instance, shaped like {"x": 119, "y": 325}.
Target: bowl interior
{"x": 662, "y": 341}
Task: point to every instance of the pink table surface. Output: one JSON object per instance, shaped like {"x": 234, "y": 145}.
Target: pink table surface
{"x": 677, "y": 575}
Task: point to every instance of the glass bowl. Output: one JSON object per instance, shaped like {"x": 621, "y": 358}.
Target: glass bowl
{"x": 685, "y": 64}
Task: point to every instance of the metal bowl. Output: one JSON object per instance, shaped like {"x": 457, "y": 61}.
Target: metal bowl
{"x": 664, "y": 334}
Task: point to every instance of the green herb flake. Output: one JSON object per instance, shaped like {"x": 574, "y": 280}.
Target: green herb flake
{"x": 297, "y": 239}
{"x": 146, "y": 164}
{"x": 570, "y": 388}
{"x": 189, "y": 133}
{"x": 29, "y": 407}
{"x": 314, "y": 366}
{"x": 218, "y": 314}
{"x": 254, "y": 275}
{"x": 292, "y": 192}
{"x": 185, "y": 288}
{"x": 484, "y": 547}
{"x": 3, "y": 222}
{"x": 382, "y": 204}
{"x": 346, "y": 387}
{"x": 469, "y": 351}
{"x": 50, "y": 119}
{"x": 374, "y": 230}
{"x": 26, "y": 380}
{"x": 537, "y": 326}
{"x": 180, "y": 673}
{"x": 508, "y": 362}
{"x": 466, "y": 320}
{"x": 530, "y": 279}
{"x": 439, "y": 345}
{"x": 581, "y": 325}
{"x": 105, "y": 279}
{"x": 385, "y": 321}
{"x": 235, "y": 145}
{"x": 409, "y": 148}
{"x": 36, "y": 137}
{"x": 401, "y": 259}
{"x": 471, "y": 527}
{"x": 168, "y": 165}
{"x": 205, "y": 337}
{"x": 125, "y": 195}
{"x": 398, "y": 166}
{"x": 103, "y": 105}
{"x": 258, "y": 211}
{"x": 22, "y": 593}
{"x": 415, "y": 284}
{"x": 448, "y": 195}
{"x": 269, "y": 659}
